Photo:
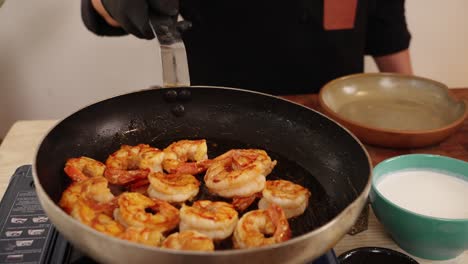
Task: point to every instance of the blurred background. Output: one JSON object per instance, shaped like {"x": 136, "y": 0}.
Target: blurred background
{"x": 51, "y": 65}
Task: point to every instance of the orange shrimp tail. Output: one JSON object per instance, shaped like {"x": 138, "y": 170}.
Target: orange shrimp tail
{"x": 191, "y": 168}
{"x": 139, "y": 186}
{"x": 122, "y": 177}
{"x": 277, "y": 216}
{"x": 242, "y": 203}
{"x": 74, "y": 173}
{"x": 105, "y": 208}
{"x": 139, "y": 183}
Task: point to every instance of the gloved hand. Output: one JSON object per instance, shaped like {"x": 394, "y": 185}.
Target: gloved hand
{"x": 134, "y": 15}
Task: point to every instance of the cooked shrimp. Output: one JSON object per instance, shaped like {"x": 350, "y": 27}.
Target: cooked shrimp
{"x": 152, "y": 159}
{"x": 96, "y": 219}
{"x": 217, "y": 220}
{"x": 82, "y": 168}
{"x": 239, "y": 172}
{"x": 194, "y": 150}
{"x": 92, "y": 191}
{"x": 123, "y": 166}
{"x": 91, "y": 202}
{"x": 176, "y": 167}
{"x": 146, "y": 236}
{"x": 179, "y": 153}
{"x": 172, "y": 188}
{"x": 262, "y": 227}
{"x": 293, "y": 198}
{"x": 131, "y": 163}
{"x": 189, "y": 240}
{"x": 138, "y": 210}
{"x": 242, "y": 203}
{"x": 140, "y": 186}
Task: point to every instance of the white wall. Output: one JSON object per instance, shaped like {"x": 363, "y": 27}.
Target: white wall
{"x": 439, "y": 46}
{"x": 50, "y": 65}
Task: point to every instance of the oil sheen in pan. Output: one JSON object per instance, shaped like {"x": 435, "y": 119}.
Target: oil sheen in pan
{"x": 321, "y": 207}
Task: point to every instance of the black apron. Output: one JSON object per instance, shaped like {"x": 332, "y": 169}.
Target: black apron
{"x": 276, "y": 47}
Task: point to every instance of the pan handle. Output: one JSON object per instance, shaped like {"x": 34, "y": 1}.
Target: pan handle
{"x": 173, "y": 56}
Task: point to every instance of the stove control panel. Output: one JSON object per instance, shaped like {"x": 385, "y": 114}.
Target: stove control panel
{"x": 26, "y": 236}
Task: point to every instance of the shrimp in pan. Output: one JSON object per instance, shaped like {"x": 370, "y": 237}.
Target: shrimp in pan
{"x": 152, "y": 159}
{"x": 262, "y": 227}
{"x": 178, "y": 155}
{"x": 239, "y": 172}
{"x": 82, "y": 168}
{"x": 92, "y": 191}
{"x": 293, "y": 198}
{"x": 91, "y": 202}
{"x": 172, "y": 188}
{"x": 139, "y": 186}
{"x": 216, "y": 220}
{"x": 132, "y": 163}
{"x": 242, "y": 203}
{"x": 142, "y": 235}
{"x": 100, "y": 221}
{"x": 189, "y": 240}
{"x": 137, "y": 210}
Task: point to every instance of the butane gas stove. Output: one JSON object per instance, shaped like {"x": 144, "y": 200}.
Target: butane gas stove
{"x": 28, "y": 237}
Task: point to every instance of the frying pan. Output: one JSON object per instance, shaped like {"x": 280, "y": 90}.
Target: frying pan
{"x": 311, "y": 150}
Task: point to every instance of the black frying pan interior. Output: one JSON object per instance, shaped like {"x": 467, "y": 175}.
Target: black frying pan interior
{"x": 311, "y": 150}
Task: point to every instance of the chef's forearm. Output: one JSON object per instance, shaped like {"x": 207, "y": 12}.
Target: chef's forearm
{"x": 399, "y": 62}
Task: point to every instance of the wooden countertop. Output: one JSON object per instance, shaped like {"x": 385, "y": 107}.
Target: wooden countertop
{"x": 19, "y": 146}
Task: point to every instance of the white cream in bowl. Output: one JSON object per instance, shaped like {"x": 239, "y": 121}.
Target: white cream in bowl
{"x": 427, "y": 192}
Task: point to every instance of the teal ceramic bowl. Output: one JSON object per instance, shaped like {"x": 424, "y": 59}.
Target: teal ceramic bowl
{"x": 422, "y": 236}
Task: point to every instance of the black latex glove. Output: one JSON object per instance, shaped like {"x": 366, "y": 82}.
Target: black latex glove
{"x": 133, "y": 15}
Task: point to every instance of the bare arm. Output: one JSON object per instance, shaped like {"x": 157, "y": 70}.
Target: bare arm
{"x": 399, "y": 62}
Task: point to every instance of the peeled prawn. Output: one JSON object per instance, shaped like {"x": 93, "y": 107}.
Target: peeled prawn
{"x": 216, "y": 220}
{"x": 123, "y": 166}
{"x": 93, "y": 191}
{"x": 189, "y": 240}
{"x": 95, "y": 219}
{"x": 293, "y": 198}
{"x": 262, "y": 227}
{"x": 239, "y": 172}
{"x": 137, "y": 210}
{"x": 131, "y": 163}
{"x": 91, "y": 202}
{"x": 142, "y": 235}
{"x": 82, "y": 168}
{"x": 152, "y": 159}
{"x": 178, "y": 155}
{"x": 194, "y": 150}
{"x": 173, "y": 188}
{"x": 242, "y": 203}
{"x": 140, "y": 186}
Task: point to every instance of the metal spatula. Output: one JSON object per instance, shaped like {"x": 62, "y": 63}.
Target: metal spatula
{"x": 173, "y": 55}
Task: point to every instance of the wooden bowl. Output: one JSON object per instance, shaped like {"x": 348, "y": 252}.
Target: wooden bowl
{"x": 393, "y": 110}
